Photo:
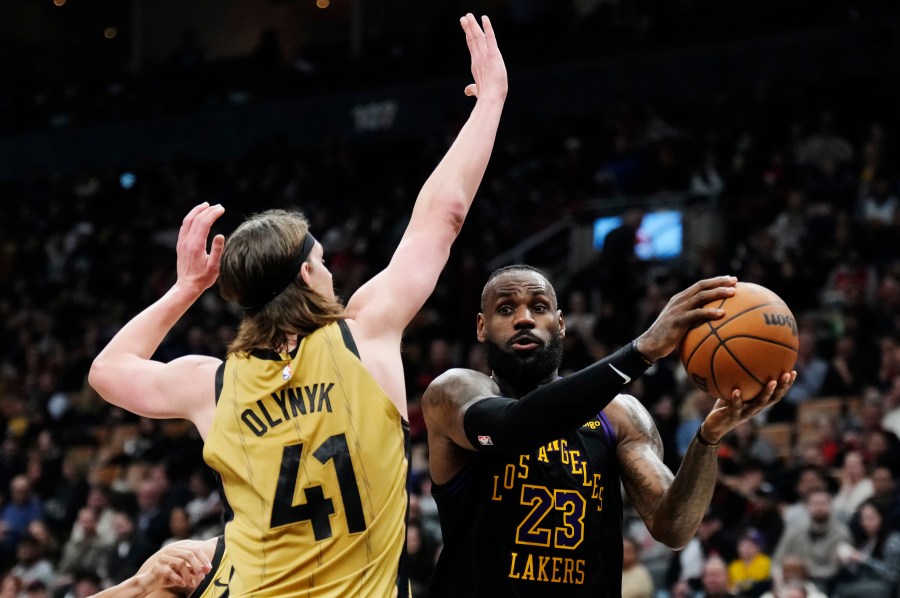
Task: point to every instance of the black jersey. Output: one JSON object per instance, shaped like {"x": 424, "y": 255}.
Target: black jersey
{"x": 545, "y": 523}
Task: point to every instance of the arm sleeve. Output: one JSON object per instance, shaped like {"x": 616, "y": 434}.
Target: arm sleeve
{"x": 501, "y": 424}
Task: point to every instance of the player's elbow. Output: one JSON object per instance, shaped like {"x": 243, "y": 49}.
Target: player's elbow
{"x": 672, "y": 538}
{"x": 101, "y": 374}
{"x": 453, "y": 210}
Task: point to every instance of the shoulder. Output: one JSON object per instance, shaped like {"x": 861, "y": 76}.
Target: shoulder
{"x": 630, "y": 419}
{"x": 459, "y": 385}
{"x": 449, "y": 396}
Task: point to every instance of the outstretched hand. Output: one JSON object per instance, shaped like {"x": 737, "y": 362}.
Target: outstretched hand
{"x": 728, "y": 414}
{"x": 683, "y": 312}
{"x": 488, "y": 68}
{"x": 198, "y": 269}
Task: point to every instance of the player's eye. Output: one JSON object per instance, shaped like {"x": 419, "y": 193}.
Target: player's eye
{"x": 538, "y": 308}
{"x": 504, "y": 310}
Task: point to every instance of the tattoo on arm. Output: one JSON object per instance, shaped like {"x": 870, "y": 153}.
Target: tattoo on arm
{"x": 644, "y": 475}
{"x": 672, "y": 508}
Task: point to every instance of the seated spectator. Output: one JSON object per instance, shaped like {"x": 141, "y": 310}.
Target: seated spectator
{"x": 885, "y": 497}
{"x": 817, "y": 540}
{"x": 32, "y": 566}
{"x": 715, "y": 579}
{"x": 856, "y": 486}
{"x": 870, "y": 566}
{"x": 794, "y": 574}
{"x": 17, "y": 514}
{"x": 85, "y": 552}
{"x": 750, "y": 573}
{"x": 127, "y": 553}
{"x": 636, "y": 580}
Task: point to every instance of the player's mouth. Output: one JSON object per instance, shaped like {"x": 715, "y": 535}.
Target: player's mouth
{"x": 525, "y": 342}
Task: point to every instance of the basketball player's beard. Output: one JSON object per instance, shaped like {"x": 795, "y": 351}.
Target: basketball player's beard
{"x": 525, "y": 373}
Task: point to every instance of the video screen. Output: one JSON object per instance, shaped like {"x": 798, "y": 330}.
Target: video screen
{"x": 659, "y": 237}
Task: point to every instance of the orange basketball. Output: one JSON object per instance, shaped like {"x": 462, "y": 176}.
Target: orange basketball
{"x": 756, "y": 341}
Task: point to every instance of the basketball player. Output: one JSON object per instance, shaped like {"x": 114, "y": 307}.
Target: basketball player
{"x": 305, "y": 421}
{"x": 199, "y": 569}
{"x": 527, "y": 468}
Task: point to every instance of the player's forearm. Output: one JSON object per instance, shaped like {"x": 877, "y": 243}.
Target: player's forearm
{"x": 450, "y": 189}
{"x": 681, "y": 509}
{"x": 144, "y": 333}
{"x": 130, "y": 588}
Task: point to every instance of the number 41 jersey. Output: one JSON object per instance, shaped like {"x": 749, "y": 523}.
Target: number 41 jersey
{"x": 540, "y": 524}
{"x": 312, "y": 456}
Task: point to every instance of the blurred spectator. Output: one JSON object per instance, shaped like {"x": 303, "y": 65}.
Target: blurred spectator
{"x": 205, "y": 509}
{"x": 715, "y": 579}
{"x": 180, "y": 526}
{"x": 86, "y": 552}
{"x": 127, "y": 553}
{"x": 750, "y": 573}
{"x": 810, "y": 479}
{"x": 794, "y": 577}
{"x": 811, "y": 370}
{"x": 17, "y": 514}
{"x": 152, "y": 520}
{"x": 31, "y": 564}
{"x": 816, "y": 540}
{"x": 86, "y": 584}
{"x": 885, "y": 497}
{"x": 871, "y": 565}
{"x": 422, "y": 554}
{"x": 856, "y": 486}
{"x": 636, "y": 580}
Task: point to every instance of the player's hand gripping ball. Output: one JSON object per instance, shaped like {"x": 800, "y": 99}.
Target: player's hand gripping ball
{"x": 756, "y": 341}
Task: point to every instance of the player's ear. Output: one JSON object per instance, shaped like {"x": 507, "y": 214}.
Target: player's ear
{"x": 562, "y": 323}
{"x": 304, "y": 272}
{"x": 479, "y": 328}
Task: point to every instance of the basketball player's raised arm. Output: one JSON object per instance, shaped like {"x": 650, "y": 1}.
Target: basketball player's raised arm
{"x": 124, "y": 373}
{"x": 174, "y": 570}
{"x": 388, "y": 302}
{"x": 673, "y": 506}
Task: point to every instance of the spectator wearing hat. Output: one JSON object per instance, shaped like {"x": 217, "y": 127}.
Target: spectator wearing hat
{"x": 750, "y": 574}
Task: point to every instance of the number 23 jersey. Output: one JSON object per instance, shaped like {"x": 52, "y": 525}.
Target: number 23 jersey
{"x": 545, "y": 523}
{"x": 312, "y": 456}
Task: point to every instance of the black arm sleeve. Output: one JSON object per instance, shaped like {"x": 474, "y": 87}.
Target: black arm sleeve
{"x": 502, "y": 424}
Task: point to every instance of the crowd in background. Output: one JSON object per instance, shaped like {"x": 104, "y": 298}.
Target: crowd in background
{"x": 801, "y": 189}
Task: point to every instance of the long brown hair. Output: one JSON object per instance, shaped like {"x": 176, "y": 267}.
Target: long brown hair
{"x": 266, "y": 241}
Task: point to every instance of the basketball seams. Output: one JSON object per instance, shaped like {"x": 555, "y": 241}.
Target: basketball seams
{"x": 761, "y": 317}
{"x": 713, "y": 330}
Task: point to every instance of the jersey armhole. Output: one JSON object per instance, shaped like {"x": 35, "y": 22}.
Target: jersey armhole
{"x": 220, "y": 380}
{"x": 216, "y": 560}
{"x": 348, "y": 338}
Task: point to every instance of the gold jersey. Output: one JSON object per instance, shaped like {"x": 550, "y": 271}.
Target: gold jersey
{"x": 215, "y": 584}
{"x": 312, "y": 456}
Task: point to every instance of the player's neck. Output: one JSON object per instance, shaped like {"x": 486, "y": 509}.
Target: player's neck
{"x": 508, "y": 389}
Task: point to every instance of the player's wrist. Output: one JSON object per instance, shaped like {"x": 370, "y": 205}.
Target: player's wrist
{"x": 704, "y": 438}
{"x": 646, "y": 349}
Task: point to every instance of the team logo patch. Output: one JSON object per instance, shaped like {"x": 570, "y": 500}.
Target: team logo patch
{"x": 485, "y": 441}
{"x": 286, "y": 373}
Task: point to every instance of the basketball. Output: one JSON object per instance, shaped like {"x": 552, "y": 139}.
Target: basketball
{"x": 754, "y": 342}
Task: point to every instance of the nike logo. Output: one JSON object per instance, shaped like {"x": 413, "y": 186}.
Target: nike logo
{"x": 625, "y": 376}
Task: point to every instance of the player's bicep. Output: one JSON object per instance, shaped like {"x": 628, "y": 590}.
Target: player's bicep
{"x": 153, "y": 389}
{"x": 644, "y": 475}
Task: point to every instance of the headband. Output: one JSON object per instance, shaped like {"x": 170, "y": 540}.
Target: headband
{"x": 278, "y": 280}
